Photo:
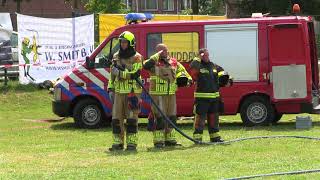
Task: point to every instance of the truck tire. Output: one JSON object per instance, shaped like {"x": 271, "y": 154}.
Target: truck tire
{"x": 256, "y": 110}
{"x": 88, "y": 114}
{"x": 277, "y": 117}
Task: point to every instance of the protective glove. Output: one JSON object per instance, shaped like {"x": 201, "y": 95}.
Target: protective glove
{"x": 182, "y": 81}
{"x": 231, "y": 81}
{"x": 149, "y": 64}
{"x": 135, "y": 75}
{"x": 115, "y": 71}
{"x": 190, "y": 82}
{"x": 223, "y": 80}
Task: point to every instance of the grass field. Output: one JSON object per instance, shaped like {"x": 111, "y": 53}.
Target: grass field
{"x": 35, "y": 144}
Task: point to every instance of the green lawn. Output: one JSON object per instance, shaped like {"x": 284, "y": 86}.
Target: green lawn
{"x": 34, "y": 144}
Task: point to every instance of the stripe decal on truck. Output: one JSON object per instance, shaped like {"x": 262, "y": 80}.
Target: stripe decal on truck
{"x": 94, "y": 84}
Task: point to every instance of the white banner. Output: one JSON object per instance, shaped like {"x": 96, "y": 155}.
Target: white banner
{"x": 5, "y": 42}
{"x": 52, "y": 47}
{"x": 5, "y": 27}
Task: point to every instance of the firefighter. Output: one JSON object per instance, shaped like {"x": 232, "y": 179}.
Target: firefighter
{"x": 163, "y": 78}
{"x": 183, "y": 79}
{"x": 209, "y": 77}
{"x": 126, "y": 67}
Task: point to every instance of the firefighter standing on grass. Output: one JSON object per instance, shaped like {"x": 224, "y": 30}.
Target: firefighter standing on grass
{"x": 209, "y": 77}
{"x": 163, "y": 78}
{"x": 123, "y": 88}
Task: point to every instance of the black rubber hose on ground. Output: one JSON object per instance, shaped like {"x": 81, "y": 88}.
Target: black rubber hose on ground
{"x": 276, "y": 174}
{"x": 164, "y": 116}
{"x": 216, "y": 143}
{"x": 235, "y": 140}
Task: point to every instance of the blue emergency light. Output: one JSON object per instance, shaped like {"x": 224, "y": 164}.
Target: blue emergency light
{"x": 135, "y": 17}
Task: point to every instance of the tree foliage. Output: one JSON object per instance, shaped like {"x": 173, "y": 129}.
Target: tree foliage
{"x": 279, "y": 7}
{"x": 103, "y": 6}
{"x": 244, "y": 8}
{"x": 195, "y": 6}
{"x": 212, "y": 7}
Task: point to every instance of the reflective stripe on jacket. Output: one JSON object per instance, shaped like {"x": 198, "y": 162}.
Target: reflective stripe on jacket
{"x": 123, "y": 83}
{"x": 163, "y": 75}
{"x": 207, "y": 79}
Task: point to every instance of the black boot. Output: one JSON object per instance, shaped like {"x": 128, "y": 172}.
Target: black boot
{"x": 131, "y": 147}
{"x": 171, "y": 143}
{"x": 159, "y": 145}
{"x": 116, "y": 147}
{"x": 216, "y": 139}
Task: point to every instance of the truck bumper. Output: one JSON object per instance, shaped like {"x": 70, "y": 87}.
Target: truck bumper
{"x": 61, "y": 108}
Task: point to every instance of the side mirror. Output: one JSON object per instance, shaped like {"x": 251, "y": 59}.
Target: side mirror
{"x": 89, "y": 63}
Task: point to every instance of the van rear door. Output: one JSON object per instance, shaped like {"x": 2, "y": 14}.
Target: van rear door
{"x": 287, "y": 61}
{"x": 313, "y": 57}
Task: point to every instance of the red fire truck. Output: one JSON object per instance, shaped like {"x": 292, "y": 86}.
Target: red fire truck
{"x": 273, "y": 61}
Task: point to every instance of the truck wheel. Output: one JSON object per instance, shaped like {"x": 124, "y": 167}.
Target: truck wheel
{"x": 87, "y": 114}
{"x": 256, "y": 110}
{"x": 277, "y": 117}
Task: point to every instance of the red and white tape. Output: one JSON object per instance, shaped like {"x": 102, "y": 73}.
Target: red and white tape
{"x": 40, "y": 64}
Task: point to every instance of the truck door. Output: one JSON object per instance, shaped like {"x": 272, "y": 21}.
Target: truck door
{"x": 99, "y": 74}
{"x": 287, "y": 54}
{"x": 183, "y": 46}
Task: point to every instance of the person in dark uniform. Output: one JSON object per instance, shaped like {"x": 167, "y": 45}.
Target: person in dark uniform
{"x": 209, "y": 78}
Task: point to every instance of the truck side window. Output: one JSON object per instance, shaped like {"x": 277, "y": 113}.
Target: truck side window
{"x": 152, "y": 41}
{"x": 104, "y": 58}
{"x": 183, "y": 46}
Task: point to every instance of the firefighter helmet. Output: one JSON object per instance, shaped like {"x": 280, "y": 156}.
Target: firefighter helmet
{"x": 127, "y": 35}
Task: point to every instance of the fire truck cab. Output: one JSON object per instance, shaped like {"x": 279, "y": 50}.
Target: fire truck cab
{"x": 273, "y": 61}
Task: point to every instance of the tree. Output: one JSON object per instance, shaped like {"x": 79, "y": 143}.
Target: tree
{"x": 105, "y": 6}
{"x": 279, "y": 8}
{"x": 233, "y": 8}
{"x": 74, "y": 3}
{"x": 195, "y": 6}
{"x": 214, "y": 7}
{"x": 217, "y": 7}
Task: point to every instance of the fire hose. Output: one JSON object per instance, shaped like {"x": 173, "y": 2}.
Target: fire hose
{"x": 234, "y": 140}
{"x": 215, "y": 143}
{"x": 137, "y": 79}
